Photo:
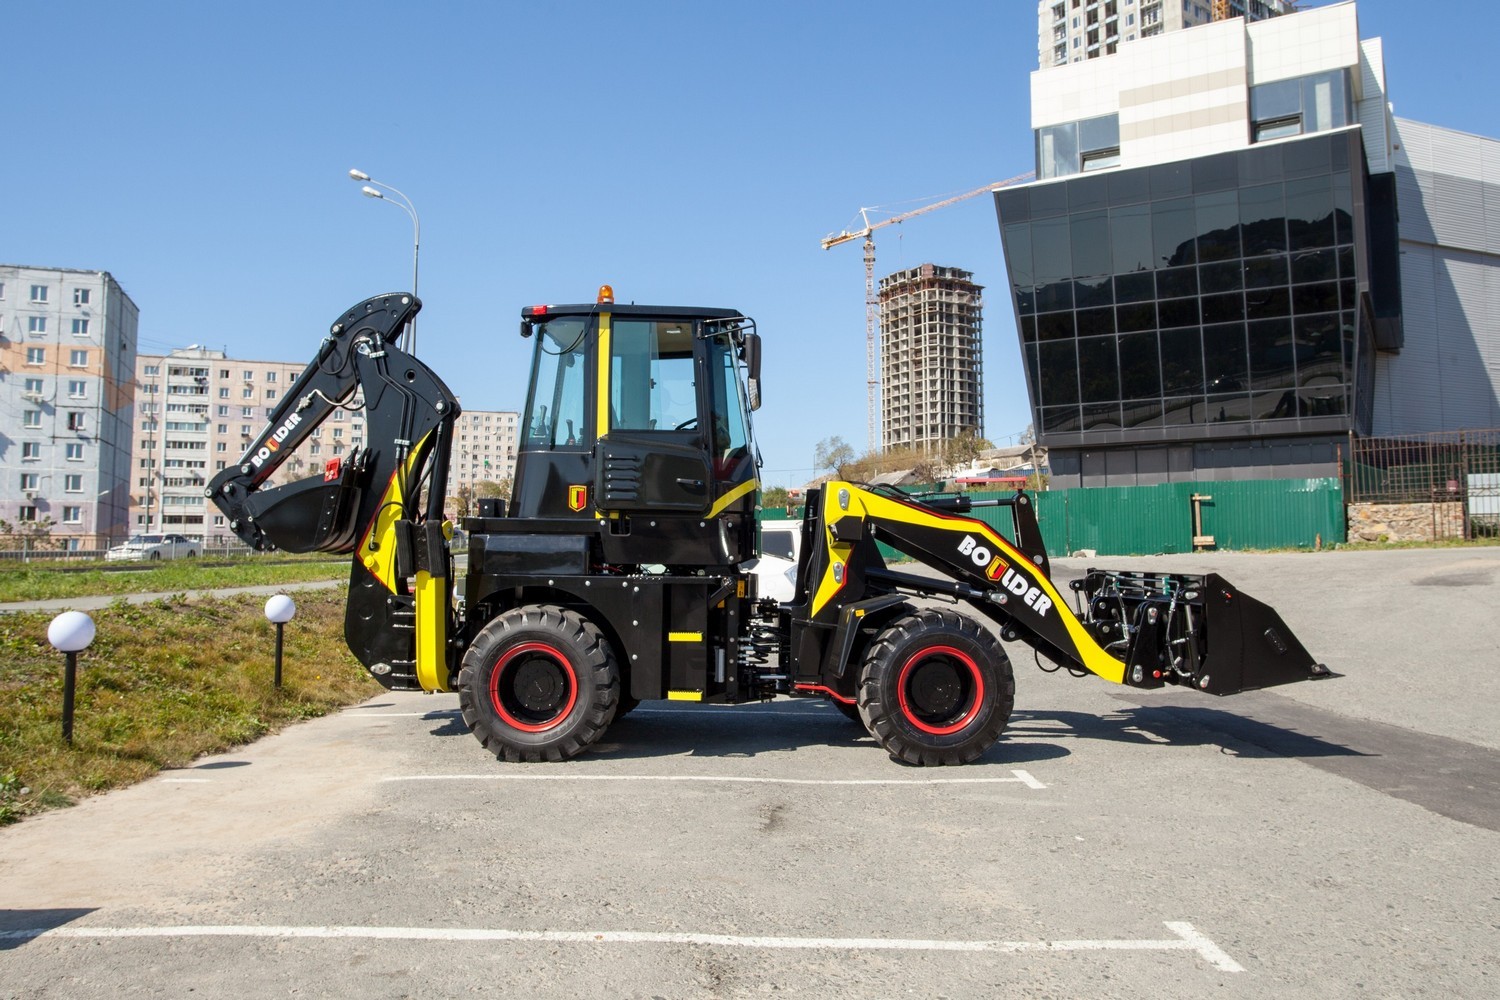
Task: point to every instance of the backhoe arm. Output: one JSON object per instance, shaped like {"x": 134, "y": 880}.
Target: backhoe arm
{"x": 383, "y": 501}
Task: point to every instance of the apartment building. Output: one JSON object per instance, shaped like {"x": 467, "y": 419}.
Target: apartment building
{"x": 931, "y": 367}
{"x": 67, "y": 354}
{"x": 197, "y": 411}
{"x": 1070, "y": 31}
{"x": 484, "y": 448}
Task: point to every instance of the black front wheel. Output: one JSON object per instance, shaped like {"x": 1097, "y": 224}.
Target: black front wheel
{"x": 936, "y": 688}
{"x": 539, "y": 683}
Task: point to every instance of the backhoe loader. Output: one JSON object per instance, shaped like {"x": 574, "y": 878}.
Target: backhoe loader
{"x": 622, "y": 567}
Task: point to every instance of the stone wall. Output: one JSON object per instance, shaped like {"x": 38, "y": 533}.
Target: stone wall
{"x": 1405, "y": 522}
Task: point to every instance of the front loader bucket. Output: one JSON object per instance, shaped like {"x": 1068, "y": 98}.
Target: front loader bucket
{"x": 1197, "y": 631}
{"x": 1248, "y": 645}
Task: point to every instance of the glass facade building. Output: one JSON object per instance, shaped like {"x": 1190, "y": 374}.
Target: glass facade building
{"x": 1219, "y": 298}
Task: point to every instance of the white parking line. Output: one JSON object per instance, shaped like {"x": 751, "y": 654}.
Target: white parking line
{"x": 354, "y": 714}
{"x": 186, "y": 781}
{"x": 1021, "y": 777}
{"x": 1188, "y": 938}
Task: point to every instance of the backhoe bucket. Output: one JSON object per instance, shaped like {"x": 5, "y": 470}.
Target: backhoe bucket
{"x": 1197, "y": 631}
{"x": 316, "y": 514}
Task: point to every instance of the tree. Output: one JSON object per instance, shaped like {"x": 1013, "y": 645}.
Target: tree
{"x": 776, "y": 496}
{"x": 493, "y": 488}
{"x": 962, "y": 449}
{"x": 28, "y": 535}
{"x": 832, "y": 453}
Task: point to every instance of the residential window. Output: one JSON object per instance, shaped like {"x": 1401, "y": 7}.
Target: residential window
{"x": 221, "y": 446}
{"x": 80, "y": 296}
{"x": 36, "y": 324}
{"x": 247, "y": 412}
{"x": 223, "y": 411}
{"x": 270, "y": 393}
{"x": 80, "y": 327}
{"x": 31, "y": 449}
{"x": 248, "y": 392}
{"x": 78, "y": 388}
{"x": 270, "y": 376}
{"x": 39, "y": 293}
{"x": 74, "y": 451}
{"x": 2, "y": 291}
{"x": 248, "y": 375}
{"x": 223, "y": 392}
{"x": 72, "y": 515}
{"x": 223, "y": 373}
{"x": 26, "y": 514}
{"x": 33, "y": 387}
{"x": 31, "y": 418}
{"x": 78, "y": 359}
{"x": 28, "y": 480}
{"x": 76, "y": 420}
{"x": 73, "y": 483}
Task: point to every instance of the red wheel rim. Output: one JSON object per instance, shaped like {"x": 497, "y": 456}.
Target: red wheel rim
{"x": 937, "y": 683}
{"x": 533, "y": 687}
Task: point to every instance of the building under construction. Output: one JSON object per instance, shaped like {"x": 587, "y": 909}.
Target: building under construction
{"x": 931, "y": 369}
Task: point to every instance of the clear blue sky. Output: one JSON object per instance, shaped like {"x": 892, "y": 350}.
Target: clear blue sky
{"x": 685, "y": 152}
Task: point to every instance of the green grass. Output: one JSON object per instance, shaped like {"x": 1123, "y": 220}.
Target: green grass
{"x": 163, "y": 683}
{"x": 43, "y": 581}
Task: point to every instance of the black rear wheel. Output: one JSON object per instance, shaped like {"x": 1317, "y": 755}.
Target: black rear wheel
{"x": 539, "y": 683}
{"x": 936, "y": 688}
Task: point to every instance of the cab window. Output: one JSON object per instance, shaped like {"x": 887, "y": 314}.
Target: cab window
{"x": 652, "y": 385}
{"x": 555, "y": 410}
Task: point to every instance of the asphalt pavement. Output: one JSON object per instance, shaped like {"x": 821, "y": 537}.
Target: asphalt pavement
{"x": 1326, "y": 839}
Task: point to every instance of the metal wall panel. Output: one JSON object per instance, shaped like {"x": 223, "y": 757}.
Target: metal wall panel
{"x": 1470, "y": 341}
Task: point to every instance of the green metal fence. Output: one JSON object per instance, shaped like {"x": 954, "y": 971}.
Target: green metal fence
{"x": 1142, "y": 520}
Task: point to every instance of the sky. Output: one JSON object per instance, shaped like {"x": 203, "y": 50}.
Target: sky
{"x": 687, "y": 153}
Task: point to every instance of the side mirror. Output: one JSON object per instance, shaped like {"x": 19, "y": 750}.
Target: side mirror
{"x": 527, "y": 328}
{"x": 751, "y": 354}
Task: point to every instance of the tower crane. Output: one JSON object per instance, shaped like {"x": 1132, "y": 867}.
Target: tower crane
{"x": 865, "y": 232}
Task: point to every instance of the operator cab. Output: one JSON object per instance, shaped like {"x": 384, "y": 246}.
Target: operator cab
{"x": 638, "y": 417}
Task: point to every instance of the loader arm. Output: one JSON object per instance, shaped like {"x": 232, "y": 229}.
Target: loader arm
{"x": 1144, "y": 630}
{"x": 383, "y": 501}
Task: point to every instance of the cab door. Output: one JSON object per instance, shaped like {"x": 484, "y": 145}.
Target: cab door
{"x": 650, "y": 449}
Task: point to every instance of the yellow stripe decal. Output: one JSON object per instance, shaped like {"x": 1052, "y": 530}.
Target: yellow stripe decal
{"x": 684, "y": 695}
{"x": 684, "y": 636}
{"x": 602, "y": 369}
{"x": 733, "y": 495}
{"x": 432, "y": 632}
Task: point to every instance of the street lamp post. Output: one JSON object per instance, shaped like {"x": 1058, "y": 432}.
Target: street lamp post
{"x": 405, "y": 205}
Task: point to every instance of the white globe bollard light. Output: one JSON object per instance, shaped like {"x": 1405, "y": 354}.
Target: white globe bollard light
{"x": 280, "y": 609}
{"x": 70, "y": 634}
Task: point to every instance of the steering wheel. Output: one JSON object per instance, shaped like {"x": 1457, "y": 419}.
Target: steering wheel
{"x": 687, "y": 425}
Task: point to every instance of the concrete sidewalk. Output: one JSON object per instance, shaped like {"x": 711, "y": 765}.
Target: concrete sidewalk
{"x": 104, "y": 601}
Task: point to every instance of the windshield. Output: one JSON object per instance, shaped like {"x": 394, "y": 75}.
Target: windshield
{"x": 144, "y": 539}
{"x": 555, "y": 404}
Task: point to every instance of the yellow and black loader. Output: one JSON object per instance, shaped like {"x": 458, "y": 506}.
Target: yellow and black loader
{"x": 623, "y": 567}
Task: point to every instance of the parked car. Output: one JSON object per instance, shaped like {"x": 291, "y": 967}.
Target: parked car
{"x": 155, "y": 547}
